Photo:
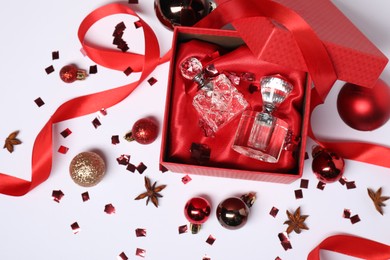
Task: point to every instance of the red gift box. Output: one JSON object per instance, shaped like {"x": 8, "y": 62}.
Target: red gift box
{"x": 272, "y": 51}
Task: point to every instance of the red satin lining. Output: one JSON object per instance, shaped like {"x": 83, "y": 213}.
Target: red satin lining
{"x": 353, "y": 246}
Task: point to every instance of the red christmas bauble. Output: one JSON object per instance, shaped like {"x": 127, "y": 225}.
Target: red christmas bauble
{"x": 68, "y": 73}
{"x": 232, "y": 213}
{"x": 144, "y": 131}
{"x": 326, "y": 165}
{"x": 197, "y": 210}
{"x": 364, "y": 109}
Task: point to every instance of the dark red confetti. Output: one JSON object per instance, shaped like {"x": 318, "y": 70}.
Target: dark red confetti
{"x": 131, "y": 167}
{"x": 140, "y": 232}
{"x": 298, "y": 194}
{"x": 85, "y": 196}
{"x": 351, "y": 185}
{"x": 163, "y": 168}
{"x": 75, "y": 228}
{"x": 206, "y": 258}
{"x": 92, "y": 69}
{"x": 96, "y": 123}
{"x": 122, "y": 45}
{"x": 347, "y": 213}
{"x": 63, "y": 149}
{"x": 321, "y": 185}
{"x": 152, "y": 81}
{"x": 186, "y": 179}
{"x": 137, "y": 24}
{"x": 133, "y": 1}
{"x": 39, "y": 102}
{"x": 103, "y": 112}
{"x": 343, "y": 180}
{"x": 285, "y": 241}
{"x": 140, "y": 252}
{"x": 128, "y": 71}
{"x": 306, "y": 156}
{"x": 200, "y": 152}
{"x": 141, "y": 167}
{"x": 304, "y": 183}
{"x": 66, "y": 133}
{"x": 253, "y": 88}
{"x": 57, "y": 195}
{"x": 55, "y": 55}
{"x": 278, "y": 258}
{"x": 109, "y": 209}
{"x": 210, "y": 240}
{"x": 120, "y": 26}
{"x": 274, "y": 211}
{"x": 115, "y": 139}
{"x": 123, "y": 159}
{"x": 354, "y": 219}
{"x": 123, "y": 256}
{"x": 49, "y": 69}
{"x": 183, "y": 229}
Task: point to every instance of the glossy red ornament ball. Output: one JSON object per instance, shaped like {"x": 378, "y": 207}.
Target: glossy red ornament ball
{"x": 232, "y": 213}
{"x": 364, "y": 109}
{"x": 144, "y": 131}
{"x": 197, "y": 210}
{"x": 68, "y": 73}
{"x": 326, "y": 165}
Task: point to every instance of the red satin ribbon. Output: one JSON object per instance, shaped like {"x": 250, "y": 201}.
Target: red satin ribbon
{"x": 353, "y": 246}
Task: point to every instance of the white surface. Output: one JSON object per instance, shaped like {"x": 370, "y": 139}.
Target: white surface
{"x": 36, "y": 227}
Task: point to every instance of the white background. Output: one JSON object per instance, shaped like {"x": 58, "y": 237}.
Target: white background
{"x": 36, "y": 227}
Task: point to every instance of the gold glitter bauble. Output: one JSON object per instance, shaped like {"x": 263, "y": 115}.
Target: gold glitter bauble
{"x": 87, "y": 169}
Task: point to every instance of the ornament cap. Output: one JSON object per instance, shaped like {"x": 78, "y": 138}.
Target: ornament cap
{"x": 249, "y": 199}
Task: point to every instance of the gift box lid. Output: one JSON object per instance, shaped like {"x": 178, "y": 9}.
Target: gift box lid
{"x": 355, "y": 58}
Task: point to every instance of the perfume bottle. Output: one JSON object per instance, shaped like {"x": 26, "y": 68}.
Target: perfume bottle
{"x": 261, "y": 135}
{"x": 217, "y": 100}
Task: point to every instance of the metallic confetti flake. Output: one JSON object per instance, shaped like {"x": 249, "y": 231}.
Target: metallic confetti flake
{"x": 39, "y": 102}
{"x": 200, "y": 152}
{"x": 210, "y": 240}
{"x": 278, "y": 258}
{"x": 206, "y": 258}
{"x": 152, "y": 81}
{"x": 183, "y": 229}
{"x": 285, "y": 241}
{"x": 137, "y": 24}
{"x": 75, "y": 228}
{"x": 102, "y": 112}
{"x": 63, "y": 149}
{"x": 49, "y": 69}
{"x": 96, "y": 123}
{"x": 133, "y": 1}
{"x": 85, "y": 196}
{"x": 55, "y": 55}
{"x": 306, "y": 156}
{"x": 274, "y": 211}
{"x": 57, "y": 195}
{"x": 109, "y": 209}
{"x": 66, "y": 133}
{"x": 92, "y": 69}
{"x": 343, "y": 180}
{"x": 304, "y": 183}
{"x": 252, "y": 88}
{"x": 120, "y": 26}
{"x": 122, "y": 45}
{"x": 211, "y": 71}
{"x": 140, "y": 232}
{"x": 141, "y": 167}
{"x": 163, "y": 168}
{"x": 123, "y": 159}
{"x": 115, "y": 139}
{"x": 354, "y": 219}
{"x": 298, "y": 194}
{"x": 351, "y": 185}
{"x": 131, "y": 167}
{"x": 122, "y": 256}
{"x": 347, "y": 213}
{"x": 128, "y": 71}
{"x": 140, "y": 252}
{"x": 321, "y": 185}
{"x": 186, "y": 179}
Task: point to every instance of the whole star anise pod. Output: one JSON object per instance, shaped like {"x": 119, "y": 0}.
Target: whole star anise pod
{"x": 11, "y": 141}
{"x": 378, "y": 199}
{"x": 296, "y": 221}
{"x": 152, "y": 192}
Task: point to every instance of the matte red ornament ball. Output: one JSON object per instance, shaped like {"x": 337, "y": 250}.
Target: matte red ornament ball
{"x": 68, "y": 73}
{"x": 364, "y": 109}
{"x": 327, "y": 166}
{"x": 145, "y": 131}
{"x": 197, "y": 210}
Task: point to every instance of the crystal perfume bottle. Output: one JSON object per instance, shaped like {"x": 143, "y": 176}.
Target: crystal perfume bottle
{"x": 261, "y": 135}
{"x": 217, "y": 100}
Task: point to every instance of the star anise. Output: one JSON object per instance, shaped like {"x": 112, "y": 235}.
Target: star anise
{"x": 378, "y": 199}
{"x": 152, "y": 192}
{"x": 296, "y": 221}
{"x": 11, "y": 141}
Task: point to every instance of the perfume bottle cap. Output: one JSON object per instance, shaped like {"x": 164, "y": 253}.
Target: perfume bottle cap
{"x": 274, "y": 90}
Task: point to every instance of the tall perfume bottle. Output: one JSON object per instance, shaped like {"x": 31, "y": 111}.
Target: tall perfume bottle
{"x": 261, "y": 135}
{"x": 217, "y": 100}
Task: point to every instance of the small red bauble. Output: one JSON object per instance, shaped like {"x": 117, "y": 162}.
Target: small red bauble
{"x": 326, "y": 165}
{"x": 197, "y": 211}
{"x": 364, "y": 109}
{"x": 144, "y": 131}
{"x": 71, "y": 73}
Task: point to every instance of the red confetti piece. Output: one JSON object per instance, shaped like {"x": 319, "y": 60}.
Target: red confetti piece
{"x": 186, "y": 179}
{"x": 210, "y": 240}
{"x": 131, "y": 167}
{"x": 115, "y": 139}
{"x": 140, "y": 252}
{"x": 183, "y": 229}
{"x": 63, "y": 149}
{"x": 109, "y": 209}
{"x": 75, "y": 228}
{"x": 140, "y": 232}
{"x": 200, "y": 152}
{"x": 252, "y": 88}
{"x": 304, "y": 183}
{"x": 298, "y": 194}
{"x": 55, "y": 55}
{"x": 141, "y": 167}
{"x": 351, "y": 185}
{"x": 66, "y": 133}
{"x": 152, "y": 81}
{"x": 96, "y": 123}
{"x": 163, "y": 168}
{"x": 343, "y": 180}
{"x": 206, "y": 258}
{"x": 128, "y": 71}
{"x": 354, "y": 219}
{"x": 39, "y": 102}
{"x": 133, "y": 1}
{"x": 285, "y": 241}
{"x": 92, "y": 69}
{"x": 85, "y": 196}
{"x": 123, "y": 159}
{"x": 57, "y": 195}
{"x": 278, "y": 258}
{"x": 49, "y": 69}
{"x": 321, "y": 185}
{"x": 103, "y": 112}
{"x": 274, "y": 211}
{"x": 120, "y": 26}
{"x": 306, "y": 156}
{"x": 123, "y": 256}
{"x": 137, "y": 24}
{"x": 347, "y": 213}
